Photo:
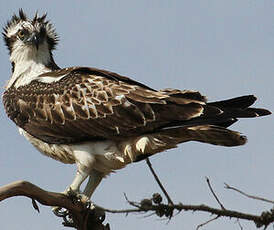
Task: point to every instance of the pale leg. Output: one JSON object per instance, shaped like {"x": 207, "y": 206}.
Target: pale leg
{"x": 94, "y": 180}
{"x": 73, "y": 189}
{"x": 76, "y": 183}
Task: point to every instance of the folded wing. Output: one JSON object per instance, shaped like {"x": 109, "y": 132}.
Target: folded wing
{"x": 78, "y": 104}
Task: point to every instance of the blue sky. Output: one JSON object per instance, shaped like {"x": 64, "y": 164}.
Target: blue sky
{"x": 221, "y": 48}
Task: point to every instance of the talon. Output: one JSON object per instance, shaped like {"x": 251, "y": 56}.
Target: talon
{"x": 91, "y": 206}
{"x": 101, "y": 215}
{"x": 71, "y": 193}
{"x": 83, "y": 198}
{"x": 59, "y": 211}
{"x": 76, "y": 195}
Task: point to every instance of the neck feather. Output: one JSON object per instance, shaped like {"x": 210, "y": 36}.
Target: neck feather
{"x": 29, "y": 63}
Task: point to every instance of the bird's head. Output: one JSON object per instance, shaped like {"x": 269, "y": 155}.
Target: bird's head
{"x": 29, "y": 38}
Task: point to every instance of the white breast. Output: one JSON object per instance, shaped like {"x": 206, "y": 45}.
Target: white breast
{"x": 29, "y": 63}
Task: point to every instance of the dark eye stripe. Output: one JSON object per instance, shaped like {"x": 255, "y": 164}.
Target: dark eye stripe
{"x": 10, "y": 41}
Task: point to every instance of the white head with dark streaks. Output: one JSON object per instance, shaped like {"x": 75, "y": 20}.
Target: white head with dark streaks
{"x": 30, "y": 44}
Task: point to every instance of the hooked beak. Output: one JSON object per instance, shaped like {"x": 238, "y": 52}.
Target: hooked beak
{"x": 35, "y": 40}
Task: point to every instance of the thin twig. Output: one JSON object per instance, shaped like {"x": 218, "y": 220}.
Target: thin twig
{"x": 205, "y": 223}
{"x": 126, "y": 211}
{"x": 159, "y": 182}
{"x": 132, "y": 203}
{"x": 215, "y": 196}
{"x": 247, "y": 195}
{"x": 35, "y": 205}
{"x": 239, "y": 223}
{"x": 262, "y": 220}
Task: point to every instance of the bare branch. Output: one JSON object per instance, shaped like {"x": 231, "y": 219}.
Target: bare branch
{"x": 160, "y": 210}
{"x": 239, "y": 223}
{"x": 247, "y": 195}
{"x": 158, "y": 181}
{"x": 35, "y": 205}
{"x": 81, "y": 216}
{"x": 133, "y": 210}
{"x": 24, "y": 188}
{"x": 215, "y": 196}
{"x": 205, "y": 223}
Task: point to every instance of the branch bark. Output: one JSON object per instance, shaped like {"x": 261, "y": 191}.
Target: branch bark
{"x": 227, "y": 186}
{"x": 87, "y": 219}
{"x": 264, "y": 219}
{"x": 83, "y": 218}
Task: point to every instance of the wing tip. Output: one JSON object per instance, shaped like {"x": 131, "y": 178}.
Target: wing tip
{"x": 242, "y": 139}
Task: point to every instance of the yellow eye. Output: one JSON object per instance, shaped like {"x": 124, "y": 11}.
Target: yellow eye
{"x": 21, "y": 34}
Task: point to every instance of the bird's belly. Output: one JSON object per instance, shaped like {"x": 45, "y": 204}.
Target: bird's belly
{"x": 103, "y": 156}
{"x": 58, "y": 152}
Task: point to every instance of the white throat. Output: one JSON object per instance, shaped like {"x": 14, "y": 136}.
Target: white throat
{"x": 29, "y": 63}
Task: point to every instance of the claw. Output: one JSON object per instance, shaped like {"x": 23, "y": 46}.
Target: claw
{"x": 60, "y": 212}
{"x": 76, "y": 196}
{"x": 71, "y": 193}
{"x": 89, "y": 204}
{"x": 84, "y": 199}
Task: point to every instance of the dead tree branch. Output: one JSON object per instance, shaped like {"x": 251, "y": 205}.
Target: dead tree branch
{"x": 207, "y": 222}
{"x": 214, "y": 194}
{"x": 247, "y": 195}
{"x": 158, "y": 181}
{"x": 81, "y": 217}
{"x": 161, "y": 209}
{"x": 84, "y": 218}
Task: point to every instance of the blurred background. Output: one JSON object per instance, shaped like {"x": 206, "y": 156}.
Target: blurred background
{"x": 221, "y": 48}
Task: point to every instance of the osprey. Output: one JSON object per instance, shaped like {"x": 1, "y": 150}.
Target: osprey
{"x": 98, "y": 119}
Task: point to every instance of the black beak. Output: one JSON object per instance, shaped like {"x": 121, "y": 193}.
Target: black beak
{"x": 35, "y": 40}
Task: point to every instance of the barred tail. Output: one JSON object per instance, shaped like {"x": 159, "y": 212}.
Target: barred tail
{"x": 216, "y": 135}
{"x": 150, "y": 144}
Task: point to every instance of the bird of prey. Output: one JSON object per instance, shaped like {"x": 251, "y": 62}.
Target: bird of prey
{"x": 100, "y": 120}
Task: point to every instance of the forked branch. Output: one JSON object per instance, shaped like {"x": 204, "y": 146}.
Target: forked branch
{"x": 79, "y": 216}
{"x": 84, "y": 218}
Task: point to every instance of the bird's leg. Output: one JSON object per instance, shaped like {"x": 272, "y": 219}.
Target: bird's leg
{"x": 94, "y": 180}
{"x": 74, "y": 191}
{"x": 74, "y": 188}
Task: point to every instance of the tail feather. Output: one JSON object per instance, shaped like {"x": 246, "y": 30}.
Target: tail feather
{"x": 237, "y": 102}
{"x": 217, "y": 135}
{"x": 210, "y": 134}
{"x": 151, "y": 144}
{"x": 239, "y": 107}
{"x": 258, "y": 112}
{"x": 210, "y": 127}
{"x": 222, "y": 113}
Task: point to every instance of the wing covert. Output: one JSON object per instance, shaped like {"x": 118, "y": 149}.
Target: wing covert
{"x": 86, "y": 103}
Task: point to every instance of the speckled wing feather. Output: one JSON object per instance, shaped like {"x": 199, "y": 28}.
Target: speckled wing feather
{"x": 79, "y": 104}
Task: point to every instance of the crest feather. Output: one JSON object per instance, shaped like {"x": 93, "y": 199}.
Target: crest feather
{"x": 37, "y": 20}
{"x": 22, "y": 15}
